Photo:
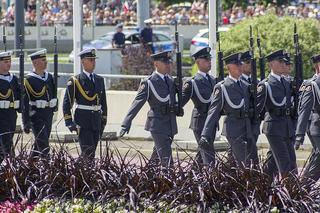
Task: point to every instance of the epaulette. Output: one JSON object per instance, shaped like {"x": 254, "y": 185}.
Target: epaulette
{"x": 306, "y": 86}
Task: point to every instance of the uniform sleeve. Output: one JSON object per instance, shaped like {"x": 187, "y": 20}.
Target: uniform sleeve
{"x": 68, "y": 101}
{"x": 186, "y": 92}
{"x": 261, "y": 97}
{"x": 137, "y": 104}
{"x": 214, "y": 113}
{"x": 304, "y": 110}
{"x": 104, "y": 102}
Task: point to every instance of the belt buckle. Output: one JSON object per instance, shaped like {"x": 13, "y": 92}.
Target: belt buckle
{"x": 95, "y": 108}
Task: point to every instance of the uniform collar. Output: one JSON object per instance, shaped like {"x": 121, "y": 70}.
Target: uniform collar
{"x": 34, "y": 74}
{"x": 7, "y": 77}
{"x": 202, "y": 73}
{"x": 278, "y": 77}
{"x": 160, "y": 74}
{"x": 245, "y": 76}
{"x": 232, "y": 78}
{"x": 88, "y": 74}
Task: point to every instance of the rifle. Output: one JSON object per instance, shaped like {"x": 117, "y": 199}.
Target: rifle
{"x": 253, "y": 85}
{"x": 55, "y": 66}
{"x": 220, "y": 61}
{"x": 298, "y": 70}
{"x": 261, "y": 58}
{"x": 179, "y": 73}
{"x": 21, "y": 74}
{"x": 4, "y": 38}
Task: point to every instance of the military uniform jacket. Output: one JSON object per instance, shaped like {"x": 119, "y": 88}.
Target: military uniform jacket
{"x": 233, "y": 101}
{"x": 199, "y": 89}
{"x": 39, "y": 101}
{"x": 9, "y": 100}
{"x": 161, "y": 117}
{"x": 274, "y": 97}
{"x": 90, "y": 100}
{"x": 309, "y": 108}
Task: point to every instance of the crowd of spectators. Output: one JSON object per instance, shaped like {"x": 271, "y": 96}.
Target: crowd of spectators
{"x": 107, "y": 12}
{"x": 236, "y": 14}
{"x": 112, "y": 12}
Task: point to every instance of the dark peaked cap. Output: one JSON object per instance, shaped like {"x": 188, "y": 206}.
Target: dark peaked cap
{"x": 162, "y": 55}
{"x": 234, "y": 58}
{"x": 315, "y": 59}
{"x": 202, "y": 53}
{"x": 277, "y": 55}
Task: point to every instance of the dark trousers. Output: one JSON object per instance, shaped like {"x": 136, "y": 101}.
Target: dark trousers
{"x": 206, "y": 153}
{"x": 8, "y": 120}
{"x": 283, "y": 153}
{"x": 41, "y": 129}
{"x": 239, "y": 148}
{"x": 253, "y": 150}
{"x": 162, "y": 150}
{"x": 88, "y": 140}
{"x": 312, "y": 169}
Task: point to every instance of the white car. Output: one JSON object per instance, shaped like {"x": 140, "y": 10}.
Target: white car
{"x": 202, "y": 39}
{"x": 161, "y": 41}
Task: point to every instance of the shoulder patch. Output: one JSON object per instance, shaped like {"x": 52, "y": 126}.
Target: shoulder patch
{"x": 217, "y": 91}
{"x": 69, "y": 83}
{"x": 186, "y": 85}
{"x": 260, "y": 88}
{"x": 302, "y": 88}
{"x": 308, "y": 88}
{"x": 142, "y": 86}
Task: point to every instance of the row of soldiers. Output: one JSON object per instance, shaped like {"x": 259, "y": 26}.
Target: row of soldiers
{"x": 38, "y": 104}
{"x": 231, "y": 97}
{"x": 212, "y": 99}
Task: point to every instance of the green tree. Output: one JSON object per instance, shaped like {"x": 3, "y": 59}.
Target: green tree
{"x": 276, "y": 33}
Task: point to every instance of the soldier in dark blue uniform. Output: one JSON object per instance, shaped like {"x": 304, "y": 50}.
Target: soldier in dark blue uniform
{"x": 146, "y": 35}
{"x": 274, "y": 97}
{"x": 87, "y": 90}
{"x": 231, "y": 97}
{"x": 270, "y": 166}
{"x": 309, "y": 114}
{"x": 119, "y": 37}
{"x": 159, "y": 91}
{"x": 246, "y": 78}
{"x": 199, "y": 89}
{"x": 39, "y": 103}
{"x": 9, "y": 104}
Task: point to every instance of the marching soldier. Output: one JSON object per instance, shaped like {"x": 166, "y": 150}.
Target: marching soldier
{"x": 246, "y": 78}
{"x": 309, "y": 111}
{"x": 200, "y": 89}
{"x": 274, "y": 97}
{"x": 270, "y": 166}
{"x": 39, "y": 103}
{"x": 159, "y": 91}
{"x": 231, "y": 97}
{"x": 9, "y": 104}
{"x": 87, "y": 90}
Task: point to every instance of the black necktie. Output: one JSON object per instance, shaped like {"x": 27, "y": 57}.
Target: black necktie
{"x": 208, "y": 78}
{"x": 91, "y": 78}
{"x": 249, "y": 80}
{"x": 166, "y": 79}
{"x": 239, "y": 83}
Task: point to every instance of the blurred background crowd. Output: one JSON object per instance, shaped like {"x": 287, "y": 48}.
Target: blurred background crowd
{"x": 112, "y": 12}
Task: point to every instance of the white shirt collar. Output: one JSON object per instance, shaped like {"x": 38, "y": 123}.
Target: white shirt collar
{"x": 34, "y": 74}
{"x": 246, "y": 76}
{"x": 88, "y": 74}
{"x": 202, "y": 73}
{"x": 160, "y": 74}
{"x": 278, "y": 77}
{"x": 232, "y": 78}
{"x": 7, "y": 78}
